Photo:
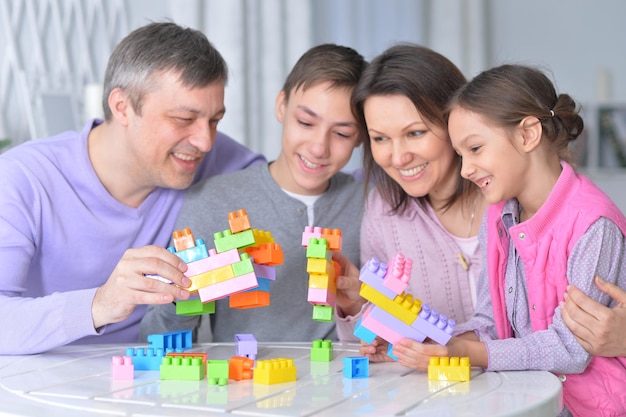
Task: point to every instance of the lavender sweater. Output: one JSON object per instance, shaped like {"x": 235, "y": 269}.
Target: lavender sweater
{"x": 438, "y": 278}
{"x": 62, "y": 234}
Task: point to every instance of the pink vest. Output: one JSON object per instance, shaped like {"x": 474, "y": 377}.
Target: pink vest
{"x": 544, "y": 244}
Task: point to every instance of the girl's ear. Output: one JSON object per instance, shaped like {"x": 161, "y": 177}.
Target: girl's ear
{"x": 281, "y": 104}
{"x": 531, "y": 131}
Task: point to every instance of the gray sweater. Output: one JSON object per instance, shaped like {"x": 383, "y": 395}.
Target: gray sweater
{"x": 288, "y": 318}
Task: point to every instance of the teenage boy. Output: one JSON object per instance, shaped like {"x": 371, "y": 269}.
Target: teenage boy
{"x": 302, "y": 187}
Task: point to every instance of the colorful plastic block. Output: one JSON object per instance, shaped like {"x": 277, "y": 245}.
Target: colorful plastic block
{"x": 238, "y": 221}
{"x": 322, "y": 281}
{"x": 262, "y": 237}
{"x": 201, "y": 355}
{"x": 244, "y": 266}
{"x": 267, "y": 254}
{"x": 194, "y": 307}
{"x": 398, "y": 273}
{"x": 391, "y": 322}
{"x": 373, "y": 273}
{"x": 146, "y": 359}
{"x": 249, "y": 299}
{"x": 227, "y": 240}
{"x": 213, "y": 261}
{"x": 192, "y": 254}
{"x": 403, "y": 306}
{"x": 434, "y": 325}
{"x": 211, "y": 277}
{"x": 240, "y": 367}
{"x": 183, "y": 239}
{"x": 182, "y": 368}
{"x": 321, "y": 296}
{"x": 274, "y": 371}
{"x": 322, "y": 351}
{"x": 217, "y": 372}
{"x": 245, "y": 344}
{"x": 333, "y": 237}
{"x": 171, "y": 340}
{"x": 310, "y": 232}
{"x": 363, "y": 333}
{"x": 317, "y": 248}
{"x": 356, "y": 367}
{"x": 320, "y": 266}
{"x": 264, "y": 271}
{"x": 323, "y": 313}
{"x": 228, "y": 287}
{"x": 122, "y": 368}
{"x": 449, "y": 369}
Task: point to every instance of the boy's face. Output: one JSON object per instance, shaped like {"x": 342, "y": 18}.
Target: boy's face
{"x": 319, "y": 135}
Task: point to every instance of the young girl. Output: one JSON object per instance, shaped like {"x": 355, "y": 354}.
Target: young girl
{"x": 547, "y": 227}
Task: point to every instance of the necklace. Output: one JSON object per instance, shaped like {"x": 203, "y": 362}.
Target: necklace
{"x": 472, "y": 216}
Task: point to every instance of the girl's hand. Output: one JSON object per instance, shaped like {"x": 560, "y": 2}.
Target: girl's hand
{"x": 377, "y": 351}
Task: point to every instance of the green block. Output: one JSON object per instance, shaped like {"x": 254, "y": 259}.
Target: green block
{"x": 322, "y": 313}
{"x": 322, "y": 351}
{"x": 226, "y": 240}
{"x": 217, "y": 370}
{"x": 318, "y": 248}
{"x": 182, "y": 368}
{"x": 194, "y": 307}
{"x": 244, "y": 266}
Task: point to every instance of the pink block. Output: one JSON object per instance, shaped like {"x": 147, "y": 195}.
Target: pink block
{"x": 214, "y": 261}
{"x": 228, "y": 287}
{"x": 398, "y": 273}
{"x": 122, "y": 368}
{"x": 321, "y": 296}
{"x": 310, "y": 232}
{"x": 373, "y": 325}
{"x": 397, "y": 325}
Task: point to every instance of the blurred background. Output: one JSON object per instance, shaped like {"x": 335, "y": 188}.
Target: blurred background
{"x": 53, "y": 54}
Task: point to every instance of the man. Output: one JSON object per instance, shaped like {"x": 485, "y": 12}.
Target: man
{"x": 85, "y": 216}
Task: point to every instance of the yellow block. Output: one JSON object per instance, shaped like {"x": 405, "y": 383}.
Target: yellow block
{"x": 404, "y": 307}
{"x": 274, "y": 371}
{"x": 211, "y": 277}
{"x": 449, "y": 369}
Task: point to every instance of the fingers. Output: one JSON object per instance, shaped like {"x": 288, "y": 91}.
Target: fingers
{"x": 612, "y": 290}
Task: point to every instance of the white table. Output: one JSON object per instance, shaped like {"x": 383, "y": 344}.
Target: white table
{"x": 76, "y": 381}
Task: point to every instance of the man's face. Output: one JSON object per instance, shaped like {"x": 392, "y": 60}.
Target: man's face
{"x": 176, "y": 128}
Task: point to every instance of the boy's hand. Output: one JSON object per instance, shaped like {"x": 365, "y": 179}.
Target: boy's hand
{"x": 348, "y": 300}
{"x": 599, "y": 329}
{"x": 128, "y": 285}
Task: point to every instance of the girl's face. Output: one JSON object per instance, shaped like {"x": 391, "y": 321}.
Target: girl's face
{"x": 490, "y": 157}
{"x": 415, "y": 153}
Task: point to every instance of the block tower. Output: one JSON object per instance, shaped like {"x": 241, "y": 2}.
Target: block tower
{"x": 239, "y": 267}
{"x": 320, "y": 243}
{"x": 394, "y": 314}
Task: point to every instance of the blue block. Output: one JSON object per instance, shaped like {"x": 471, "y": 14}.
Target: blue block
{"x": 171, "y": 340}
{"x": 364, "y": 333}
{"x": 390, "y": 353}
{"x": 356, "y": 367}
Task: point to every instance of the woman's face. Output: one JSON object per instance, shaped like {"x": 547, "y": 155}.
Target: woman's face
{"x": 412, "y": 151}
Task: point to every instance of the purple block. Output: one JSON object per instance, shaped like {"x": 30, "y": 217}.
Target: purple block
{"x": 372, "y": 273}
{"x": 434, "y": 325}
{"x": 397, "y": 325}
{"x": 245, "y": 344}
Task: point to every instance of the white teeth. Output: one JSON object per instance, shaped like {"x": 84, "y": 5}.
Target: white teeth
{"x": 485, "y": 183}
{"x": 308, "y": 163}
{"x": 412, "y": 171}
{"x": 185, "y": 157}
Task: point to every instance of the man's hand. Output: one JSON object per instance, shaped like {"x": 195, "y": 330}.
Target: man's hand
{"x": 128, "y": 285}
{"x": 348, "y": 300}
{"x": 599, "y": 329}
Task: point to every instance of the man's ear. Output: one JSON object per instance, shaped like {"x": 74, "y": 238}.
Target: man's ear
{"x": 119, "y": 105}
{"x": 531, "y": 132}
{"x": 281, "y": 104}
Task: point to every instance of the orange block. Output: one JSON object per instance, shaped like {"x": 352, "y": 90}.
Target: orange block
{"x": 249, "y": 299}
{"x": 269, "y": 254}
{"x": 239, "y": 221}
{"x": 333, "y": 236}
{"x": 240, "y": 367}
{"x": 183, "y": 239}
